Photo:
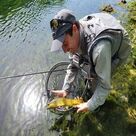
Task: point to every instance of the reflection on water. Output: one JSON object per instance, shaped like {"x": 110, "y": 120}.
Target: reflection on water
{"x": 24, "y": 48}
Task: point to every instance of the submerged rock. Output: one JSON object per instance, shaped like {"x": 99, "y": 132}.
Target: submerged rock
{"x": 108, "y": 8}
{"x": 123, "y": 1}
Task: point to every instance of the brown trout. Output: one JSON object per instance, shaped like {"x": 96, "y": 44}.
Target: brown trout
{"x": 64, "y": 102}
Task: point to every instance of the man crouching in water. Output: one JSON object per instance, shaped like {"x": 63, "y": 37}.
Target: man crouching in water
{"x": 100, "y": 39}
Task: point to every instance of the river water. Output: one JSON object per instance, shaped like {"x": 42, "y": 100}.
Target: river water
{"x": 25, "y": 40}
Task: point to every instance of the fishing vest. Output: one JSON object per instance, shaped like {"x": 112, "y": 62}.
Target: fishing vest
{"x": 98, "y": 27}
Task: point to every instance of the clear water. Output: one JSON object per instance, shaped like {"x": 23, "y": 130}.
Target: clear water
{"x": 25, "y": 40}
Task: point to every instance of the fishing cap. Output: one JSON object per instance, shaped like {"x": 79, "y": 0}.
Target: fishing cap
{"x": 61, "y": 22}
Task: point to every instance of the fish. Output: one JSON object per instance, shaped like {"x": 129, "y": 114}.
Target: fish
{"x": 58, "y": 102}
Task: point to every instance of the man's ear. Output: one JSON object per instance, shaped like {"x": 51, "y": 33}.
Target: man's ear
{"x": 74, "y": 28}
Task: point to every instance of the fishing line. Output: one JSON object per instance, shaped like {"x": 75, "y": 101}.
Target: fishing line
{"x": 29, "y": 74}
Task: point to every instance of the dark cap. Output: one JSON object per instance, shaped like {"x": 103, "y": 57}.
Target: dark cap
{"x": 61, "y": 22}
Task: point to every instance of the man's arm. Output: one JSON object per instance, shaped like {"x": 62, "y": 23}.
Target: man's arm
{"x": 71, "y": 74}
{"x": 70, "y": 77}
{"x": 102, "y": 61}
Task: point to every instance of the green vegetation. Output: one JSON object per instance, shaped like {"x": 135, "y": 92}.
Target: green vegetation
{"x": 117, "y": 117}
{"x": 107, "y": 8}
{"x": 8, "y": 7}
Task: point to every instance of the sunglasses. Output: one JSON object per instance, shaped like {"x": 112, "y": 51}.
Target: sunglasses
{"x": 56, "y": 23}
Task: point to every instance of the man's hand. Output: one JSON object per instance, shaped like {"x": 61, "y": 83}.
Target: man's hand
{"x": 82, "y": 107}
{"x": 59, "y": 93}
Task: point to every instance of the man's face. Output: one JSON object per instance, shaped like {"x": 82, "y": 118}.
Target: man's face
{"x": 71, "y": 43}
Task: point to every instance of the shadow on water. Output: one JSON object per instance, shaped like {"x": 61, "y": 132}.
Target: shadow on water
{"x": 24, "y": 48}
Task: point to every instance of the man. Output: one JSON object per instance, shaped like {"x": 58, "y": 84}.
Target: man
{"x": 97, "y": 38}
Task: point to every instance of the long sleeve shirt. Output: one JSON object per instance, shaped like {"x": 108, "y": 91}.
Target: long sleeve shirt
{"x": 101, "y": 56}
